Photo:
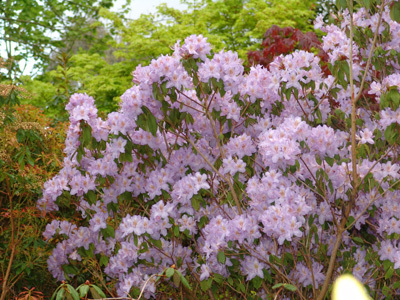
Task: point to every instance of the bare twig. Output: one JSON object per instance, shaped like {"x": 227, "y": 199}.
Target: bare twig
{"x": 348, "y": 206}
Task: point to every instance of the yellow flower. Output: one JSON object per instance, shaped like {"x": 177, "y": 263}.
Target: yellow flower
{"x": 346, "y": 287}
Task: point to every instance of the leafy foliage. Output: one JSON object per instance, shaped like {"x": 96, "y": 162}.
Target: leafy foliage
{"x": 30, "y": 152}
{"x": 88, "y": 73}
{"x": 26, "y": 26}
{"x": 286, "y": 40}
{"x": 237, "y": 25}
{"x": 231, "y": 24}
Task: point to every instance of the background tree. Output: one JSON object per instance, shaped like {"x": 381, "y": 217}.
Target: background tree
{"x": 237, "y": 25}
{"x": 32, "y": 30}
{"x": 231, "y": 24}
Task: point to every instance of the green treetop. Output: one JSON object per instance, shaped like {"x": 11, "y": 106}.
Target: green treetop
{"x": 237, "y": 25}
{"x": 32, "y": 30}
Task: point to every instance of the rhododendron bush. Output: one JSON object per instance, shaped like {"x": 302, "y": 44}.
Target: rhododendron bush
{"x": 260, "y": 184}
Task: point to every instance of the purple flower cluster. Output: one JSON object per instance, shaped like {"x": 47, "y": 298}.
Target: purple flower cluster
{"x": 257, "y": 170}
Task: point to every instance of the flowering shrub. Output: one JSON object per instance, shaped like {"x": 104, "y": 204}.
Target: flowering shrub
{"x": 266, "y": 184}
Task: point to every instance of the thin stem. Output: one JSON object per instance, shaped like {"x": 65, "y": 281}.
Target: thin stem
{"x": 353, "y": 112}
{"x": 12, "y": 244}
{"x": 353, "y": 196}
{"x": 370, "y": 203}
{"x": 371, "y": 52}
{"x": 222, "y": 152}
{"x": 284, "y": 277}
{"x": 234, "y": 195}
{"x": 228, "y": 179}
{"x": 354, "y": 99}
{"x": 99, "y": 276}
{"x": 147, "y": 281}
{"x": 210, "y": 294}
{"x": 323, "y": 190}
{"x": 332, "y": 261}
{"x": 117, "y": 298}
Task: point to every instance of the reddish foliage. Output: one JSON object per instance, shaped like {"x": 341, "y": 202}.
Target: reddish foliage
{"x": 279, "y": 41}
{"x": 30, "y": 294}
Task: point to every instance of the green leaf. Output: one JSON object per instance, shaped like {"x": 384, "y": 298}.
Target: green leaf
{"x": 329, "y": 160}
{"x": 350, "y": 220}
{"x": 242, "y": 288}
{"x": 86, "y": 136}
{"x": 278, "y": 285}
{"x": 341, "y": 4}
{"x": 195, "y": 203}
{"x": 68, "y": 269}
{"x": 189, "y": 118}
{"x": 288, "y": 93}
{"x": 257, "y": 281}
{"x": 104, "y": 260}
{"x": 179, "y": 262}
{"x": 386, "y": 291}
{"x": 358, "y": 240}
{"x": 267, "y": 275}
{"x": 126, "y": 157}
{"x": 206, "y": 284}
{"x": 20, "y": 135}
{"x": 287, "y": 286}
{"x": 221, "y": 257}
{"x": 150, "y": 121}
{"x": 389, "y": 273}
{"x": 390, "y": 99}
{"x": 169, "y": 272}
{"x": 387, "y": 264}
{"x": 91, "y": 197}
{"x": 157, "y": 243}
{"x": 21, "y": 156}
{"x": 97, "y": 292}
{"x": 290, "y": 287}
{"x": 396, "y": 285}
{"x": 30, "y": 159}
{"x": 275, "y": 259}
{"x": 395, "y": 11}
{"x": 176, "y": 231}
{"x": 392, "y": 133}
{"x": 318, "y": 159}
{"x": 79, "y": 154}
{"x": 366, "y": 4}
{"x": 344, "y": 67}
{"x": 73, "y": 292}
{"x": 108, "y": 232}
{"x": 176, "y": 279}
{"x": 89, "y": 253}
{"x": 183, "y": 280}
{"x": 60, "y": 294}
{"x": 83, "y": 290}
{"x": 203, "y": 221}
{"x": 218, "y": 278}
{"x": 56, "y": 291}
{"x": 287, "y": 258}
